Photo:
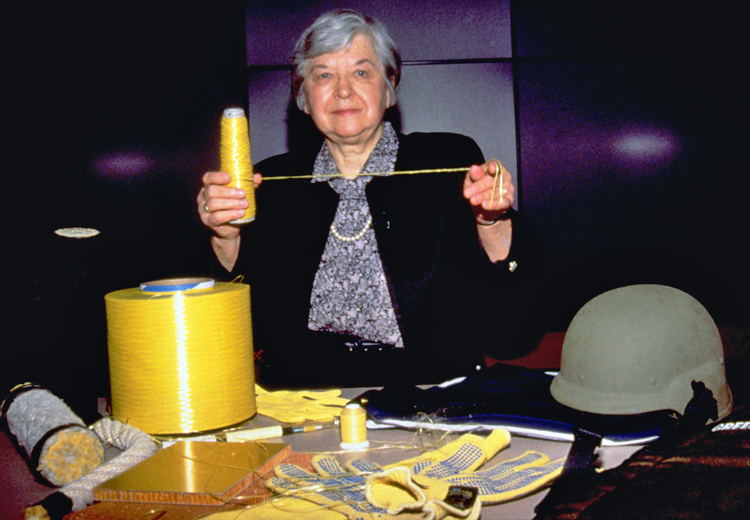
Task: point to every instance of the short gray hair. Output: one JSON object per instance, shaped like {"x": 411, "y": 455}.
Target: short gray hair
{"x": 335, "y": 30}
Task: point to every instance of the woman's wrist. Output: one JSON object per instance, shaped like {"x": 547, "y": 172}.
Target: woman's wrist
{"x": 500, "y": 218}
{"x": 496, "y": 239}
{"x": 227, "y": 250}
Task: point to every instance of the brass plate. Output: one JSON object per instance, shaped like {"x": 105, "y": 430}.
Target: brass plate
{"x": 192, "y": 472}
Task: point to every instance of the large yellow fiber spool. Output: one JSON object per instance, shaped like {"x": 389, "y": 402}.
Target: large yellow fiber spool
{"x": 234, "y": 155}
{"x": 181, "y": 355}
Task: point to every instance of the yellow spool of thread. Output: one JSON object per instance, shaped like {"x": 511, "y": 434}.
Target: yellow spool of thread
{"x": 353, "y": 421}
{"x": 181, "y": 355}
{"x": 234, "y": 153}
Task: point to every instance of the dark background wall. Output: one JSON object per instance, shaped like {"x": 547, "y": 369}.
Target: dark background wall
{"x": 626, "y": 126}
{"x": 115, "y": 115}
{"x": 633, "y": 139}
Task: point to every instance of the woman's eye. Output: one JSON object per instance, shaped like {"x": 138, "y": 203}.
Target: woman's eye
{"x": 361, "y": 73}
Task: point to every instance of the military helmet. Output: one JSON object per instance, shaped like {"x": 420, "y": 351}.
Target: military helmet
{"x": 637, "y": 349}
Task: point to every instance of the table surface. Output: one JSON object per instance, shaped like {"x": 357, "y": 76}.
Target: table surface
{"x": 18, "y": 488}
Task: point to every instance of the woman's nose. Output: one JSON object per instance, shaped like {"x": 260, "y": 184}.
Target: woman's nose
{"x": 343, "y": 88}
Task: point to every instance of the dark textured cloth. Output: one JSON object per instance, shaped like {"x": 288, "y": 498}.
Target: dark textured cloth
{"x": 452, "y": 304}
{"x": 692, "y": 472}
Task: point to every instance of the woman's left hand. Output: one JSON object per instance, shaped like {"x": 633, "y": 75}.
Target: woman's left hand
{"x": 490, "y": 197}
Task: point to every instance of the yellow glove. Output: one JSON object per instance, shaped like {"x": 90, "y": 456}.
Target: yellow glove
{"x": 300, "y": 406}
{"x": 389, "y": 494}
{"x": 369, "y": 491}
{"x": 327, "y": 498}
{"x": 466, "y": 453}
{"x": 455, "y": 465}
{"x": 510, "y": 479}
{"x": 392, "y": 488}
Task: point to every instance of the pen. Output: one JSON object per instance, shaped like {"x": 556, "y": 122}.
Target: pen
{"x": 256, "y": 433}
{"x": 275, "y": 431}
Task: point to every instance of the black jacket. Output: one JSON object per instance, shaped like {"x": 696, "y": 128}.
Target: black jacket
{"x": 452, "y": 304}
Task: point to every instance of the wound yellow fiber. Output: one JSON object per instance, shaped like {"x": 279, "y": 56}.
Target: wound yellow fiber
{"x": 181, "y": 362}
{"x": 353, "y": 427}
{"x": 235, "y": 158}
{"x": 69, "y": 455}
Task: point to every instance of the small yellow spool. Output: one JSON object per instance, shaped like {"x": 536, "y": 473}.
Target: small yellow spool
{"x": 353, "y": 422}
{"x": 181, "y": 355}
{"x": 234, "y": 153}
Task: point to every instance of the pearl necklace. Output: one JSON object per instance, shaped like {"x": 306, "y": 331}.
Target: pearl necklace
{"x": 354, "y": 238}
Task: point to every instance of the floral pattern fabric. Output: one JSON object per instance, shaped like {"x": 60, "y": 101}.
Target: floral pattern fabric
{"x": 350, "y": 293}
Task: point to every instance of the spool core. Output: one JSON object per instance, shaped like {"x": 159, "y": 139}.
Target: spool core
{"x": 176, "y": 284}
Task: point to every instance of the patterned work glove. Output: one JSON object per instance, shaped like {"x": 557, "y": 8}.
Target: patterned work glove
{"x": 383, "y": 494}
{"x": 438, "y": 484}
{"x": 296, "y": 407}
{"x": 508, "y": 480}
{"x": 455, "y": 464}
{"x": 465, "y": 454}
{"x": 368, "y": 491}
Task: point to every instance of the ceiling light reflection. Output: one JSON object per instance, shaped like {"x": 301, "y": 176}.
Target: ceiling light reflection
{"x": 646, "y": 146}
{"x": 123, "y": 164}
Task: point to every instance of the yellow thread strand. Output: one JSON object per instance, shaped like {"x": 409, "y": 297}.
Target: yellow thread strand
{"x": 398, "y": 172}
{"x": 498, "y": 179}
{"x": 181, "y": 362}
{"x": 235, "y": 158}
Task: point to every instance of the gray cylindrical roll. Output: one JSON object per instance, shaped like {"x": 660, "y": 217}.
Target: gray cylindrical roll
{"x": 57, "y": 442}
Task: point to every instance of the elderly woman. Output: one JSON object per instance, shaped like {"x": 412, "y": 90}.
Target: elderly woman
{"x": 360, "y": 277}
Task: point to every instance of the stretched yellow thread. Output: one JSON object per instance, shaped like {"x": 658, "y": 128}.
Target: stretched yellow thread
{"x": 398, "y": 172}
{"x": 181, "y": 362}
{"x": 498, "y": 180}
{"x": 234, "y": 153}
{"x": 497, "y": 183}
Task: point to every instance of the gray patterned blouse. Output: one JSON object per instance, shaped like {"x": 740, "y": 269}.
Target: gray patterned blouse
{"x": 350, "y": 294}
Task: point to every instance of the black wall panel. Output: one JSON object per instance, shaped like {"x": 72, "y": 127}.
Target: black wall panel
{"x": 633, "y": 135}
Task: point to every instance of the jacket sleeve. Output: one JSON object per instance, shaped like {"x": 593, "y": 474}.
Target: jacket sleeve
{"x": 500, "y": 299}
{"x": 481, "y": 307}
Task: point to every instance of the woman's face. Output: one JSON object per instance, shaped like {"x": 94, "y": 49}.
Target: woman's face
{"x": 346, "y": 93}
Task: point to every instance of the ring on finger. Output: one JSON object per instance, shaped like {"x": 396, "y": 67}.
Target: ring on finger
{"x": 205, "y": 207}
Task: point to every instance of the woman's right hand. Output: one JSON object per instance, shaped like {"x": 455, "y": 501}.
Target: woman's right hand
{"x": 218, "y": 205}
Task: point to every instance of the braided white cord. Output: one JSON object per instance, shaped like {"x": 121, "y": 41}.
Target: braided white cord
{"x": 137, "y": 446}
